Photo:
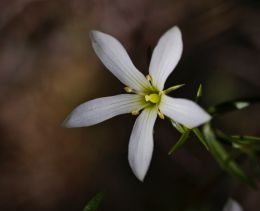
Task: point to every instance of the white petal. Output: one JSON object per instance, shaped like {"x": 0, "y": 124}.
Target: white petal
{"x": 115, "y": 58}
{"x": 98, "y": 110}
{"x": 141, "y": 143}
{"x": 232, "y": 205}
{"x": 183, "y": 111}
{"x": 165, "y": 56}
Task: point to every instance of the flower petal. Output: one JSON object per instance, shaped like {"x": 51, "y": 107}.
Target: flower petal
{"x": 165, "y": 56}
{"x": 115, "y": 58}
{"x": 183, "y": 111}
{"x": 101, "y": 109}
{"x": 141, "y": 143}
{"x": 232, "y": 205}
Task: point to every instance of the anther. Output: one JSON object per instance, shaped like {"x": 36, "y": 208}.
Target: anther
{"x": 128, "y": 89}
{"x": 149, "y": 78}
{"x": 147, "y": 98}
{"x": 135, "y": 113}
{"x": 160, "y": 114}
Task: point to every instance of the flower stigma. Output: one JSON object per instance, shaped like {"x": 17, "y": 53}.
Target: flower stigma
{"x": 153, "y": 98}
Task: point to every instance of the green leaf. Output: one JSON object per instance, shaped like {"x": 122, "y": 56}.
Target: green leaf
{"x": 247, "y": 144}
{"x": 172, "y": 88}
{"x": 94, "y": 203}
{"x": 180, "y": 142}
{"x": 243, "y": 139}
{"x": 179, "y": 127}
{"x": 233, "y": 105}
{"x": 199, "y": 93}
{"x": 200, "y": 136}
{"x": 222, "y": 157}
{"x": 244, "y": 143}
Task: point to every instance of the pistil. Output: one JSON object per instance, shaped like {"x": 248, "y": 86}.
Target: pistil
{"x": 153, "y": 98}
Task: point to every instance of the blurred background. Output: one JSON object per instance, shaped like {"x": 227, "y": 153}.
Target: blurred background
{"x": 47, "y": 68}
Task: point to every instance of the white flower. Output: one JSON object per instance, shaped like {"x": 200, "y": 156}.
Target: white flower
{"x": 145, "y": 95}
{"x": 232, "y": 205}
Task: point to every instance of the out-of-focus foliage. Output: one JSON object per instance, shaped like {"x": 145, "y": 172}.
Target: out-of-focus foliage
{"x": 239, "y": 144}
{"x": 233, "y": 105}
{"x": 94, "y": 203}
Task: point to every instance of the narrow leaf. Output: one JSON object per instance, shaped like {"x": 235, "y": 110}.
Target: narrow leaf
{"x": 178, "y": 126}
{"x": 94, "y": 203}
{"x": 172, "y": 88}
{"x": 222, "y": 157}
{"x": 244, "y": 143}
{"x": 233, "y": 105}
{"x": 180, "y": 142}
{"x": 199, "y": 93}
{"x": 200, "y": 136}
{"x": 246, "y": 138}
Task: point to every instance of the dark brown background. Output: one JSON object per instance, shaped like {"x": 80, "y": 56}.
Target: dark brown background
{"x": 47, "y": 67}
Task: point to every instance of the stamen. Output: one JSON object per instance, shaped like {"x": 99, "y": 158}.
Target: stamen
{"x": 128, "y": 89}
{"x": 147, "y": 98}
{"x": 160, "y": 114}
{"x": 149, "y": 78}
{"x": 135, "y": 113}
